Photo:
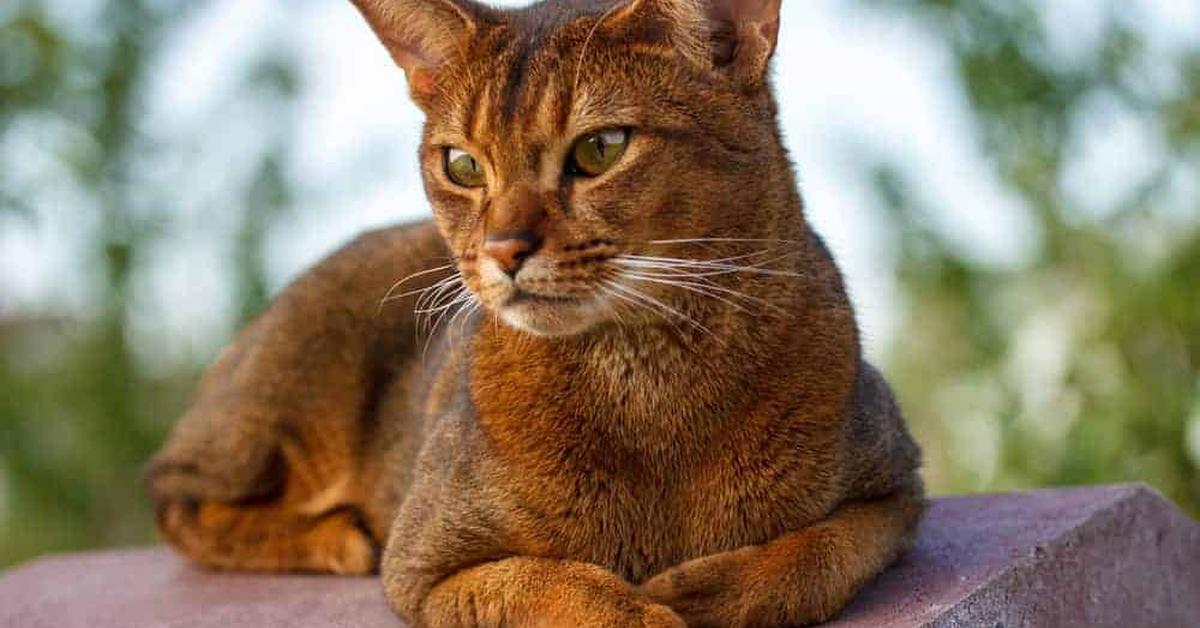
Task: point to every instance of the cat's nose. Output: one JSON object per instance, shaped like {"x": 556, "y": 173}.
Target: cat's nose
{"x": 511, "y": 249}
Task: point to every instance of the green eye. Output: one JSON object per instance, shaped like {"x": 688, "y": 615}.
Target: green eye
{"x": 595, "y": 153}
{"x": 464, "y": 169}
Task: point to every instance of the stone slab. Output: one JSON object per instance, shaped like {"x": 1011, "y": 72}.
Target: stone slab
{"x": 1118, "y": 556}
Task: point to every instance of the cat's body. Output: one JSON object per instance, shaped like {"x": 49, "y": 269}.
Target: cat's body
{"x": 613, "y": 439}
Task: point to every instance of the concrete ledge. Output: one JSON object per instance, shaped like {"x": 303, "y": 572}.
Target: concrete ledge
{"x": 1120, "y": 556}
{"x": 1106, "y": 556}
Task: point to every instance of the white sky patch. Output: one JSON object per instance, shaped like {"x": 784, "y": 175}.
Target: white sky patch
{"x": 208, "y": 55}
{"x": 1111, "y": 165}
{"x": 853, "y": 84}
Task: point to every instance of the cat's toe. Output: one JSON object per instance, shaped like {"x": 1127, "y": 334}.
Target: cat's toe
{"x": 341, "y": 546}
{"x": 659, "y": 616}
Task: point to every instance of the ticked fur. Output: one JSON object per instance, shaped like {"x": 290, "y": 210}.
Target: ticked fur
{"x": 663, "y": 417}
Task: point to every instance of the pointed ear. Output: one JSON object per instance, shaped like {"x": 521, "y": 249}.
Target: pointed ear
{"x": 737, "y": 36}
{"x": 677, "y": 24}
{"x": 743, "y": 35}
{"x": 420, "y": 35}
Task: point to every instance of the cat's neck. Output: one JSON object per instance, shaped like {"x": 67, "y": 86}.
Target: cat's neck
{"x": 671, "y": 385}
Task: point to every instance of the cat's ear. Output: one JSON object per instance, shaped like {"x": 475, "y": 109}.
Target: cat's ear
{"x": 738, "y": 36}
{"x": 743, "y": 34}
{"x": 421, "y": 35}
{"x": 677, "y": 24}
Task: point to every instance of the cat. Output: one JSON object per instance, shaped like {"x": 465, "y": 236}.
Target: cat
{"x": 620, "y": 383}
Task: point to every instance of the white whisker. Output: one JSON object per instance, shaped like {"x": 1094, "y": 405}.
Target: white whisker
{"x": 704, "y": 288}
{"x": 637, "y": 294}
{"x": 717, "y": 240}
{"x": 437, "y": 300}
{"x": 721, "y": 260}
{"x": 466, "y": 308}
{"x": 695, "y": 288}
{"x": 461, "y": 302}
{"x": 638, "y": 305}
{"x": 388, "y": 295}
{"x": 703, "y": 268}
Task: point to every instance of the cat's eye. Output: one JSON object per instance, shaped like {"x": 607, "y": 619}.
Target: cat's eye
{"x": 594, "y": 153}
{"x": 464, "y": 169}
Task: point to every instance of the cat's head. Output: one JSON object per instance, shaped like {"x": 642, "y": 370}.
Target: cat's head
{"x": 571, "y": 146}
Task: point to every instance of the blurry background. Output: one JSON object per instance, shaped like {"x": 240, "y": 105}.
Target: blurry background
{"x": 1012, "y": 187}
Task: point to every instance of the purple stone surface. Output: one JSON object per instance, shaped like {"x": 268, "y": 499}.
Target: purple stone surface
{"x": 1104, "y": 556}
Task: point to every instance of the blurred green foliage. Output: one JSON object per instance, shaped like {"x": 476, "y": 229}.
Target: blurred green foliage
{"x": 1081, "y": 363}
{"x": 1077, "y": 364}
{"x": 80, "y": 413}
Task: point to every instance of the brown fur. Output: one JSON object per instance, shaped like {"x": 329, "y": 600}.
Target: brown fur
{"x": 604, "y": 462}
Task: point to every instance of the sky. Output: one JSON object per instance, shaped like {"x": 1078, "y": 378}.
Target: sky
{"x": 853, "y": 86}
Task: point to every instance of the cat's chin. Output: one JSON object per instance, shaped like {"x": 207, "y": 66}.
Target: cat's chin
{"x": 551, "y": 319}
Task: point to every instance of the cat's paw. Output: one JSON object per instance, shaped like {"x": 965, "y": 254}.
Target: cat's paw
{"x": 708, "y": 591}
{"x": 228, "y": 536}
{"x": 741, "y": 588}
{"x": 627, "y": 613}
{"x": 659, "y": 616}
{"x": 339, "y": 545}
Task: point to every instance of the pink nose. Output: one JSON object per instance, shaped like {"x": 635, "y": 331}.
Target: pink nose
{"x": 511, "y": 249}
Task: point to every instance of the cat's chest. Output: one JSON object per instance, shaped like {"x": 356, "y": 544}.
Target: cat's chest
{"x": 638, "y": 524}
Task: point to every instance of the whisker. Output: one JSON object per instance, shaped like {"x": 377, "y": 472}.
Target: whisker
{"x": 706, "y": 288}
{"x": 473, "y": 308}
{"x": 720, "y": 260}
{"x": 461, "y": 302}
{"x": 705, "y": 268}
{"x": 436, "y": 297}
{"x": 638, "y": 305}
{"x": 439, "y": 308}
{"x": 450, "y": 300}
{"x": 637, "y": 294}
{"x": 388, "y": 294}
{"x": 613, "y": 310}
{"x": 438, "y": 304}
{"x": 711, "y": 240}
{"x": 690, "y": 287}
{"x": 436, "y": 300}
{"x": 466, "y": 308}
{"x": 439, "y": 285}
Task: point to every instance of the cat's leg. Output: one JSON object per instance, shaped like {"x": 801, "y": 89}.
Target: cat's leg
{"x": 268, "y": 537}
{"x": 540, "y": 592}
{"x": 459, "y": 556}
{"x": 266, "y": 471}
{"x": 800, "y": 578}
{"x": 308, "y": 521}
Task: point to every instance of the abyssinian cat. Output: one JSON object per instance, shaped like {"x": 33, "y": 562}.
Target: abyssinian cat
{"x": 643, "y": 402}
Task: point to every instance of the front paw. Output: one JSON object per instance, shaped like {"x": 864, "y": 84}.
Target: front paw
{"x": 709, "y": 591}
{"x": 528, "y": 592}
{"x": 659, "y": 616}
{"x": 626, "y": 613}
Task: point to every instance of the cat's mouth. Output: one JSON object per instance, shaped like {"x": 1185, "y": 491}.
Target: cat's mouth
{"x": 548, "y": 314}
{"x": 520, "y": 297}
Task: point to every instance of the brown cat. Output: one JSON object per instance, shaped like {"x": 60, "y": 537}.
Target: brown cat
{"x": 645, "y": 402}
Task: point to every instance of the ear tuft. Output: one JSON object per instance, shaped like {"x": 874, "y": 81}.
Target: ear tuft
{"x": 420, "y": 35}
